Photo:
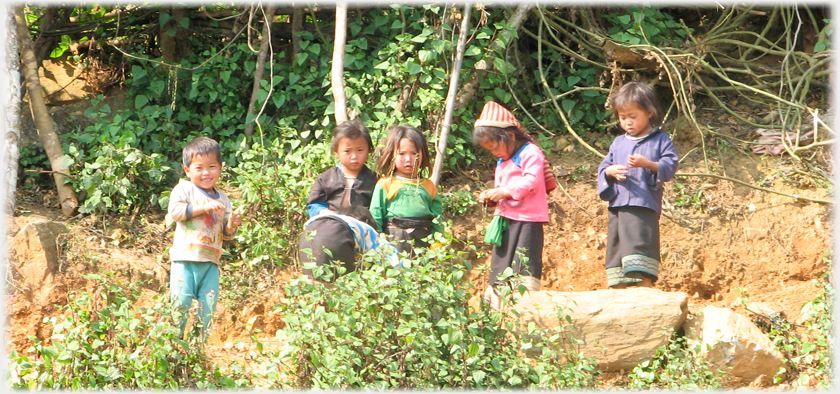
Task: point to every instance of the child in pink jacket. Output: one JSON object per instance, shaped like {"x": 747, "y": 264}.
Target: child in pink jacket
{"x": 521, "y": 197}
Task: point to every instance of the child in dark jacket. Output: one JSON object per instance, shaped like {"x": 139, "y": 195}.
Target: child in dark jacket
{"x": 631, "y": 178}
{"x": 351, "y": 182}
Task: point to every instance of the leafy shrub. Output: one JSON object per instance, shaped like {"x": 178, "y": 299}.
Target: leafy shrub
{"x": 639, "y": 25}
{"x": 809, "y": 354}
{"x": 412, "y": 328}
{"x": 274, "y": 183}
{"x": 104, "y": 342}
{"x": 677, "y": 366}
{"x": 457, "y": 203}
{"x": 111, "y": 180}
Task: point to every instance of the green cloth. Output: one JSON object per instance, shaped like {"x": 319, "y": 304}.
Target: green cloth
{"x": 393, "y": 198}
{"x": 494, "y": 232}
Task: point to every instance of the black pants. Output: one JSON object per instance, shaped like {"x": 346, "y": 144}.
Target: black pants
{"x": 632, "y": 245}
{"x": 521, "y": 241}
{"x": 324, "y": 240}
{"x": 408, "y": 229}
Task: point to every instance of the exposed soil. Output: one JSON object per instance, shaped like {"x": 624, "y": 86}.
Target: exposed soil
{"x": 716, "y": 237}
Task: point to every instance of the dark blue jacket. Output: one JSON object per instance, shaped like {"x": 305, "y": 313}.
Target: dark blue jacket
{"x": 643, "y": 187}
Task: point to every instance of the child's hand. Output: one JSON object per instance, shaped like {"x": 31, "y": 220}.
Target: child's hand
{"x": 210, "y": 206}
{"x": 235, "y": 220}
{"x": 617, "y": 172}
{"x": 493, "y": 195}
{"x": 637, "y": 160}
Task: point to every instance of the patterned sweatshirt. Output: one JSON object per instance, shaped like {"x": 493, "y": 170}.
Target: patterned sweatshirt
{"x": 197, "y": 238}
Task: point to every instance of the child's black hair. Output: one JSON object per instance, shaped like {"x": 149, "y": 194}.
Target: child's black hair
{"x": 351, "y": 129}
{"x": 482, "y": 134}
{"x": 641, "y": 94}
{"x": 201, "y": 146}
{"x": 396, "y": 133}
{"x": 359, "y": 213}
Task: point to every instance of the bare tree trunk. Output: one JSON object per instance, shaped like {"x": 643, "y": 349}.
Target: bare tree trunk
{"x": 338, "y": 62}
{"x": 172, "y": 35}
{"x": 165, "y": 40}
{"x": 43, "y": 121}
{"x": 468, "y": 91}
{"x": 297, "y": 26}
{"x": 265, "y": 47}
{"x": 10, "y": 118}
{"x": 450, "y": 97}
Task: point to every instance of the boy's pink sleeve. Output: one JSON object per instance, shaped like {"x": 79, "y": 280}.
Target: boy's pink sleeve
{"x": 533, "y": 171}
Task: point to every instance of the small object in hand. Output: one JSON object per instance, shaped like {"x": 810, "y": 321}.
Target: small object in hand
{"x": 490, "y": 203}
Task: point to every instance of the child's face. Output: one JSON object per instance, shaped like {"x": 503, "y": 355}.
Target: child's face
{"x": 352, "y": 154}
{"x": 407, "y": 159}
{"x": 204, "y": 171}
{"x": 634, "y": 120}
{"x": 500, "y": 149}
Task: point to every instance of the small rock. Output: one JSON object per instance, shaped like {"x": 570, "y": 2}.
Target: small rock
{"x": 762, "y": 381}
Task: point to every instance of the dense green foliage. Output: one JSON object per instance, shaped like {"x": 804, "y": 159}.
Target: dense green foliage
{"x": 677, "y": 366}
{"x": 412, "y": 328}
{"x": 102, "y": 341}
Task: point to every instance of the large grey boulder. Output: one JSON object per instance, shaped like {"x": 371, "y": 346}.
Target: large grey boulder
{"x": 619, "y": 328}
{"x": 731, "y": 341}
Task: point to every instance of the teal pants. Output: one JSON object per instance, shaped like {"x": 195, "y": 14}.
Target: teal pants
{"x": 190, "y": 280}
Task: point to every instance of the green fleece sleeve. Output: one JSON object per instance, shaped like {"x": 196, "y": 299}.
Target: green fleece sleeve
{"x": 379, "y": 206}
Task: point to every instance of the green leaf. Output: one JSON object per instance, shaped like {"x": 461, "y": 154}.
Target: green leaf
{"x": 67, "y": 161}
{"x": 413, "y": 68}
{"x": 164, "y": 18}
{"x": 472, "y": 50}
{"x": 140, "y": 100}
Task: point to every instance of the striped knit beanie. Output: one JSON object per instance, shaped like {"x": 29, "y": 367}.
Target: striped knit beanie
{"x": 494, "y": 115}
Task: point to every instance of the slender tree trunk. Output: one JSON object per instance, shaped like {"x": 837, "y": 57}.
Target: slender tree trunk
{"x": 338, "y": 62}
{"x": 43, "y": 121}
{"x": 10, "y": 118}
{"x": 297, "y": 27}
{"x": 468, "y": 91}
{"x": 265, "y": 47}
{"x": 440, "y": 154}
{"x": 173, "y": 36}
{"x": 166, "y": 39}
